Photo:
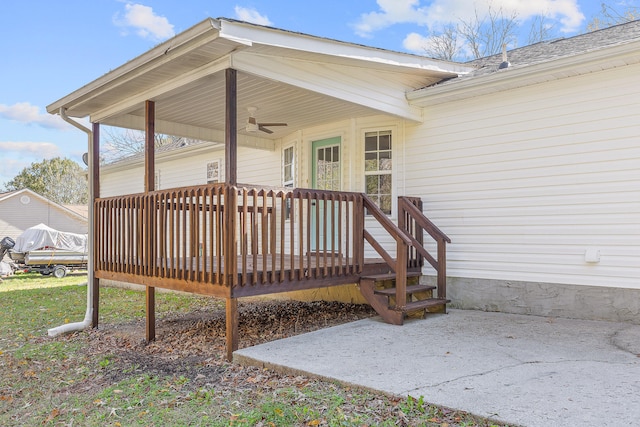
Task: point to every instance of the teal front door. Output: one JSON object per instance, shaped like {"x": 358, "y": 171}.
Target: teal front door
{"x": 326, "y": 172}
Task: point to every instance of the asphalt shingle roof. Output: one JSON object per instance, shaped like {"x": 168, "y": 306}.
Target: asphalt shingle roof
{"x": 557, "y": 48}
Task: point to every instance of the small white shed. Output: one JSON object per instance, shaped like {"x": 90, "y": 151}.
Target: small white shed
{"x": 24, "y": 208}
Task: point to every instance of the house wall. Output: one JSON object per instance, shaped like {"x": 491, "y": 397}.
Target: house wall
{"x": 254, "y": 167}
{"x": 352, "y": 133}
{"x": 531, "y": 185}
{"x": 16, "y": 216}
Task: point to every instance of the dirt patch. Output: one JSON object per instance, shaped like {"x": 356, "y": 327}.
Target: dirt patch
{"x": 193, "y": 345}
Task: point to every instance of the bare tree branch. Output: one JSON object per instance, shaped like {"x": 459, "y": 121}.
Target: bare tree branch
{"x": 540, "y": 30}
{"x": 444, "y": 45}
{"x": 121, "y": 143}
{"x": 485, "y": 36}
{"x": 610, "y": 16}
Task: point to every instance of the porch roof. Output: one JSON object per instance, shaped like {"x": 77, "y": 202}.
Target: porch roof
{"x": 291, "y": 77}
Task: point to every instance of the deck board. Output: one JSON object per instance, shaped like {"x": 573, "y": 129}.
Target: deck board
{"x": 260, "y": 277}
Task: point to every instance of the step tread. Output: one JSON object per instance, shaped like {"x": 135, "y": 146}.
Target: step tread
{"x": 426, "y": 303}
{"x": 412, "y": 289}
{"x": 390, "y": 276}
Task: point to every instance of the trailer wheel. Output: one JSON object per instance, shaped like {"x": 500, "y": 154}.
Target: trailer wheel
{"x": 60, "y": 272}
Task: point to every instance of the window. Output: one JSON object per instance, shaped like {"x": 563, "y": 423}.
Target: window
{"x": 287, "y": 167}
{"x": 156, "y": 180}
{"x": 377, "y": 168}
{"x": 288, "y": 176}
{"x": 213, "y": 172}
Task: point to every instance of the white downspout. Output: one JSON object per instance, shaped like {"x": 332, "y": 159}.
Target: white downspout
{"x": 78, "y": 326}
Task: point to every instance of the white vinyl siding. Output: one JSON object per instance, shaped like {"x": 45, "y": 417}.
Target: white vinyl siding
{"x": 254, "y": 167}
{"x": 526, "y": 181}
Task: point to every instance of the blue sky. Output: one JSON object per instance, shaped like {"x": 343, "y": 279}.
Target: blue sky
{"x": 51, "y": 48}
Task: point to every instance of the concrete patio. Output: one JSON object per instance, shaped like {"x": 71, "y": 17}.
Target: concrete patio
{"x": 523, "y": 370}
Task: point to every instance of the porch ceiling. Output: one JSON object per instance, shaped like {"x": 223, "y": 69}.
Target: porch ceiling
{"x": 197, "y": 110}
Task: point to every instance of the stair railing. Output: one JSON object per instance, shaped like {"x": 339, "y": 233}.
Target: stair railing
{"x": 413, "y": 221}
{"x": 403, "y": 242}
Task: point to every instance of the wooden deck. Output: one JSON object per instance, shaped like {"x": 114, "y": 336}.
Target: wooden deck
{"x": 260, "y": 276}
{"x": 237, "y": 241}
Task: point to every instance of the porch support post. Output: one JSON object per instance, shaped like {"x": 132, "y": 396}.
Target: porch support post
{"x": 231, "y": 179}
{"x": 232, "y": 327}
{"x": 94, "y": 193}
{"x": 149, "y": 183}
{"x": 231, "y": 128}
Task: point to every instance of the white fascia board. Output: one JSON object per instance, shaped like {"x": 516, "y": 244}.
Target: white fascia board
{"x": 311, "y": 44}
{"x": 131, "y": 121}
{"x": 164, "y": 52}
{"x": 329, "y": 83}
{"x": 8, "y": 195}
{"x": 12, "y": 194}
{"x": 510, "y": 78}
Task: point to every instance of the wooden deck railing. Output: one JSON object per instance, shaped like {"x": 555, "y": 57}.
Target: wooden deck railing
{"x": 412, "y": 220}
{"x": 236, "y": 237}
{"x": 410, "y": 250}
{"x": 249, "y": 240}
{"x": 399, "y": 264}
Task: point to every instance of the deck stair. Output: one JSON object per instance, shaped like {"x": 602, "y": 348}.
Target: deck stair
{"x": 398, "y": 292}
{"x": 380, "y": 291}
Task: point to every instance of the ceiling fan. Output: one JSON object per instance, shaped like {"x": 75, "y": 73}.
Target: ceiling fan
{"x": 254, "y": 126}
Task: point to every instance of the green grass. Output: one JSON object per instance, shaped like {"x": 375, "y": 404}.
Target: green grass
{"x": 24, "y": 281}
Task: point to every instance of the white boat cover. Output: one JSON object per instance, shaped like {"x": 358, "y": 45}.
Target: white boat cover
{"x": 42, "y": 236}
{"x": 5, "y": 268}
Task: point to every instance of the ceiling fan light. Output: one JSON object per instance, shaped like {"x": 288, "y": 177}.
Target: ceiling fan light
{"x": 251, "y": 127}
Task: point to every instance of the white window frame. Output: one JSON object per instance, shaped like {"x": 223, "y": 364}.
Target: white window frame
{"x": 391, "y": 173}
{"x": 292, "y": 182}
{"x": 156, "y": 180}
{"x": 213, "y": 171}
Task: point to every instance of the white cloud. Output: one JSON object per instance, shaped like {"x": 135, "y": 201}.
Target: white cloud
{"x": 436, "y": 13}
{"x": 40, "y": 150}
{"x": 19, "y": 155}
{"x": 391, "y": 12}
{"x": 26, "y": 113}
{"x": 252, "y": 15}
{"x": 415, "y": 42}
{"x": 145, "y": 22}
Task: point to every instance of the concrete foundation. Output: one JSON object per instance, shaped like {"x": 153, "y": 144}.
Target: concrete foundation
{"x": 544, "y": 299}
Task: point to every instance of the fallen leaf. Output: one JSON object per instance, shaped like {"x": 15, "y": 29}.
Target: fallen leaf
{"x": 51, "y": 416}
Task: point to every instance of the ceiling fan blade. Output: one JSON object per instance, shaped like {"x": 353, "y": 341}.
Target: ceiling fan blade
{"x": 264, "y": 129}
{"x": 272, "y": 124}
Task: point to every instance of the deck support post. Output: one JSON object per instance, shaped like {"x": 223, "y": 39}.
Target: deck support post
{"x": 94, "y": 189}
{"x": 232, "y": 327}
{"x": 149, "y": 184}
